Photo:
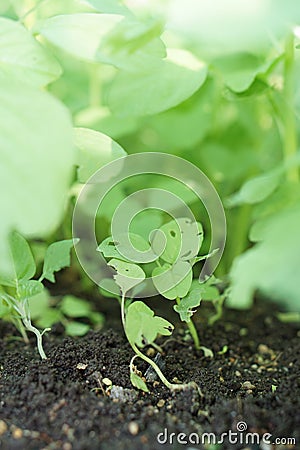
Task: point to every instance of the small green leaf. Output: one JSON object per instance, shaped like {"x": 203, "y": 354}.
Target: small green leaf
{"x": 95, "y": 149}
{"x": 173, "y": 281}
{"x": 76, "y": 328}
{"x": 187, "y": 303}
{"x": 23, "y": 262}
{"x": 142, "y": 327}
{"x": 29, "y": 288}
{"x": 128, "y": 275}
{"x": 75, "y": 307}
{"x": 57, "y": 257}
{"x": 49, "y": 317}
{"x": 138, "y": 382}
{"x": 182, "y": 238}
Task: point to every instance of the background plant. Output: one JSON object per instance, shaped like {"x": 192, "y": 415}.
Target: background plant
{"x": 193, "y": 80}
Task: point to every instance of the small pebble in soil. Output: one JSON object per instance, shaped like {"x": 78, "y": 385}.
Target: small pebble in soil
{"x": 3, "y": 427}
{"x": 160, "y": 403}
{"x": 17, "y": 433}
{"x": 248, "y": 385}
{"x": 107, "y": 381}
{"x": 81, "y": 366}
{"x": 133, "y": 428}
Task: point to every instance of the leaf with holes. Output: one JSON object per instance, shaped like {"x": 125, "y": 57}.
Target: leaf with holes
{"x": 128, "y": 275}
{"x": 142, "y": 326}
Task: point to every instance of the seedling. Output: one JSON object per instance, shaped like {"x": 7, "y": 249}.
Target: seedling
{"x": 176, "y": 245}
{"x": 19, "y": 287}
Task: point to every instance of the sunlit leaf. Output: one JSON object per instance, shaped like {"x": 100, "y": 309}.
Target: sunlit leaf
{"x": 142, "y": 326}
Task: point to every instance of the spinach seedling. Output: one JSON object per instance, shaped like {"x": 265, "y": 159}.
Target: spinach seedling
{"x": 173, "y": 276}
{"x": 19, "y": 287}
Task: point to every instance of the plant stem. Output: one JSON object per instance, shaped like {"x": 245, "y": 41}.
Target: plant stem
{"x": 289, "y": 121}
{"x": 192, "y": 329}
{"x": 141, "y": 355}
{"x": 28, "y": 325}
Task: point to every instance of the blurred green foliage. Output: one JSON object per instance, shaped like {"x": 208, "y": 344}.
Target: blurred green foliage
{"x": 214, "y": 82}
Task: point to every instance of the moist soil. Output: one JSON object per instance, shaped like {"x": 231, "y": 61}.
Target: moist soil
{"x": 65, "y": 402}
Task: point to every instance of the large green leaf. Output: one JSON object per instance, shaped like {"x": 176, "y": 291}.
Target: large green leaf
{"x": 37, "y": 153}
{"x": 272, "y": 266}
{"x": 157, "y": 87}
{"x": 22, "y": 258}
{"x": 23, "y": 58}
{"x": 95, "y": 149}
{"x": 142, "y": 327}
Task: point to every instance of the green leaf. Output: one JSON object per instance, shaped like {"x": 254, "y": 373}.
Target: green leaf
{"x": 239, "y": 70}
{"x": 207, "y": 289}
{"x": 49, "y": 317}
{"x": 111, "y": 249}
{"x": 80, "y": 34}
{"x": 87, "y": 36}
{"x": 145, "y": 222}
{"x": 173, "y": 281}
{"x": 76, "y": 328}
{"x": 23, "y": 58}
{"x": 39, "y": 306}
{"x": 22, "y": 258}
{"x": 94, "y": 151}
{"x": 128, "y": 275}
{"x": 37, "y": 154}
{"x": 75, "y": 307}
{"x": 272, "y": 266}
{"x": 157, "y": 87}
{"x": 138, "y": 382}
{"x": 187, "y": 303}
{"x": 182, "y": 238}
{"x": 256, "y": 189}
{"x": 29, "y": 288}
{"x": 57, "y": 257}
{"x": 142, "y": 327}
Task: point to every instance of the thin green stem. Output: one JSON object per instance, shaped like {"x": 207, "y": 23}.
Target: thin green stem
{"x": 141, "y": 355}
{"x": 192, "y": 330}
{"x": 289, "y": 120}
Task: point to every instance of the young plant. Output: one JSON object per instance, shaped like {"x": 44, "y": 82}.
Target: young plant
{"x": 173, "y": 277}
{"x": 19, "y": 287}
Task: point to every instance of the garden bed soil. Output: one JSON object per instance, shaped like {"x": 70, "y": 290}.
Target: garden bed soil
{"x": 62, "y": 403}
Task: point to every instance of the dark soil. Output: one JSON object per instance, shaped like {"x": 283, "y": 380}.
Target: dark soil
{"x": 62, "y": 403}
